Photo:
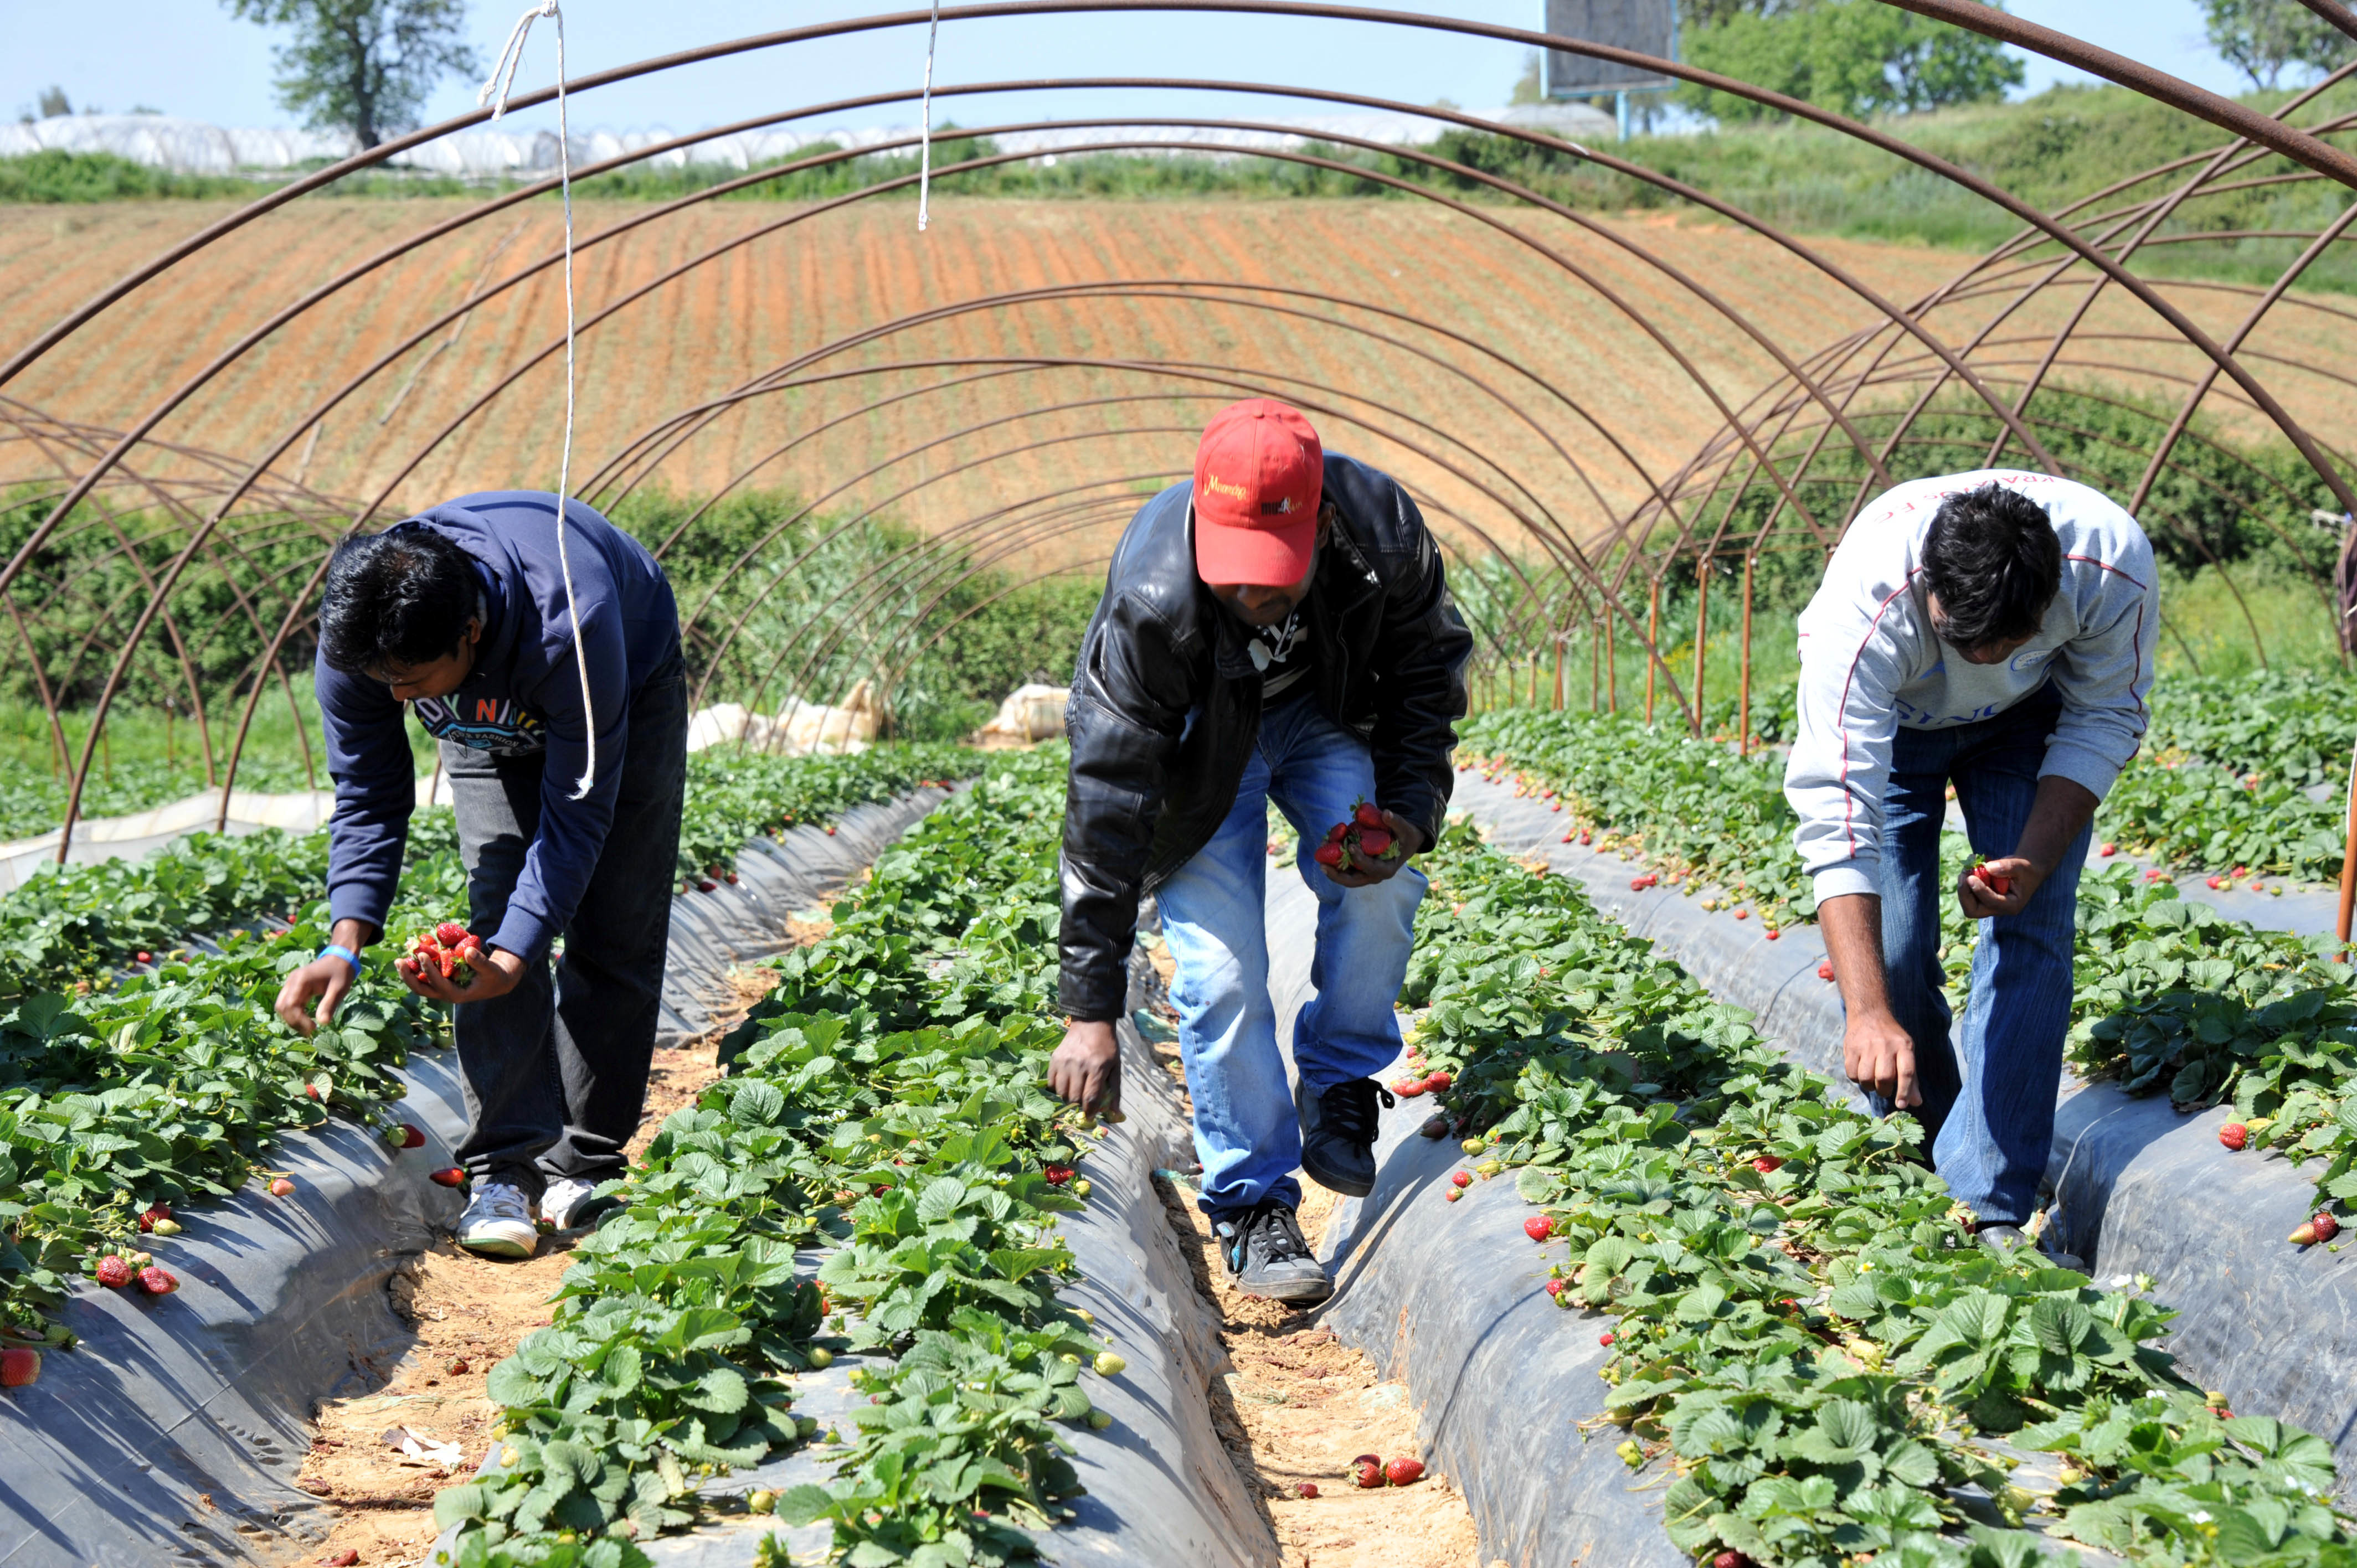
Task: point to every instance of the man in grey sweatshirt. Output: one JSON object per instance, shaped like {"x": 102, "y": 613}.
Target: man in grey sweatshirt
{"x": 1993, "y": 631}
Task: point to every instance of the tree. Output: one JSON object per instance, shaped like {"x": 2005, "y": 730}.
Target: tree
{"x": 1529, "y": 86}
{"x": 362, "y": 66}
{"x": 54, "y": 102}
{"x": 2261, "y": 39}
{"x": 1854, "y": 57}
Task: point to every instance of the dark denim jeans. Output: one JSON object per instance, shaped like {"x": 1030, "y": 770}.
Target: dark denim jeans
{"x": 555, "y": 1070}
{"x": 1989, "y": 1100}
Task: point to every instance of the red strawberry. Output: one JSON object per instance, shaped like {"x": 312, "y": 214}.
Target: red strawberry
{"x": 1538, "y": 1227}
{"x": 2234, "y": 1135}
{"x": 1437, "y": 1081}
{"x": 344, "y": 1558}
{"x": 1338, "y": 832}
{"x": 1730, "y": 1560}
{"x": 145, "y": 957}
{"x": 1407, "y": 1087}
{"x": 113, "y": 1273}
{"x": 1368, "y": 814}
{"x": 1995, "y": 883}
{"x": 1404, "y": 1472}
{"x": 1768, "y": 1165}
{"x": 1460, "y": 1179}
{"x": 19, "y": 1367}
{"x": 1606, "y": 1338}
{"x": 311, "y": 1091}
{"x": 282, "y": 1188}
{"x": 1057, "y": 1175}
{"x": 1636, "y": 885}
{"x": 412, "y": 1137}
{"x": 452, "y": 1176}
{"x": 151, "y": 1214}
{"x": 1825, "y": 972}
{"x": 2323, "y": 1227}
{"x": 2108, "y": 851}
{"x": 1555, "y": 1287}
{"x": 158, "y": 1281}
{"x": 1328, "y": 854}
{"x": 1367, "y": 1471}
{"x": 706, "y": 886}
{"x": 1586, "y": 837}
{"x": 450, "y": 933}
{"x": 1306, "y": 1489}
{"x": 1375, "y": 843}
{"x": 830, "y": 830}
{"x": 1452, "y": 1194}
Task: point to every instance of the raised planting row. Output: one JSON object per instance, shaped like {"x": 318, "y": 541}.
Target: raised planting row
{"x": 885, "y": 1105}
{"x": 1808, "y": 1353}
{"x": 2170, "y": 996}
{"x": 141, "y": 1063}
{"x": 736, "y": 796}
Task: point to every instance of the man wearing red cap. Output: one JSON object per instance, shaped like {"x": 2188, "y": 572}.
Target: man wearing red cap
{"x": 1278, "y": 630}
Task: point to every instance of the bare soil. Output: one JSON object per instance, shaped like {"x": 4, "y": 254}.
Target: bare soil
{"x": 467, "y": 1313}
{"x": 1297, "y": 1406}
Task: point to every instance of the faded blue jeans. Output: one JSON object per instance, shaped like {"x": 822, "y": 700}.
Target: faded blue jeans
{"x": 1213, "y": 916}
{"x": 1988, "y": 1101}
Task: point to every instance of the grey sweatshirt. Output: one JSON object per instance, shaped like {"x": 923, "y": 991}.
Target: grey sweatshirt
{"x": 1870, "y": 663}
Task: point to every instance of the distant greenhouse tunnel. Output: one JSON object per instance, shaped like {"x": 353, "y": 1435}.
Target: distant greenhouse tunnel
{"x": 1563, "y": 528}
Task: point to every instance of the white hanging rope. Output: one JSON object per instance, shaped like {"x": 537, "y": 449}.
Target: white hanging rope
{"x": 925, "y": 152}
{"x": 501, "y": 82}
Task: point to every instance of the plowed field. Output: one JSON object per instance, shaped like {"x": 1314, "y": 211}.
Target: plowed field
{"x": 1484, "y": 424}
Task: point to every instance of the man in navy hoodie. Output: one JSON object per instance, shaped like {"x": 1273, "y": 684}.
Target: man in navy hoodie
{"x": 460, "y": 616}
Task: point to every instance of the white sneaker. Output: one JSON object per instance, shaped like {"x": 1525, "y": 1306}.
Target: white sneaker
{"x": 561, "y": 1203}
{"x": 498, "y": 1223}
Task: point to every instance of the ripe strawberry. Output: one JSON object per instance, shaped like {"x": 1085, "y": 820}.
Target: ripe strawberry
{"x": 1453, "y": 1194}
{"x": 1407, "y": 1087}
{"x": 1338, "y": 832}
{"x": 450, "y": 933}
{"x": 1460, "y": 1179}
{"x": 154, "y": 1212}
{"x": 1375, "y": 843}
{"x": 1825, "y": 972}
{"x": 1743, "y": 914}
{"x": 1730, "y": 1560}
{"x": 1555, "y": 1287}
{"x": 2234, "y": 1135}
{"x": 707, "y": 887}
{"x": 1586, "y": 837}
{"x": 452, "y": 1176}
{"x": 1606, "y": 1338}
{"x": 1367, "y": 814}
{"x": 19, "y": 1367}
{"x": 145, "y": 957}
{"x": 1636, "y": 885}
{"x": 158, "y": 1281}
{"x": 1437, "y": 1081}
{"x": 1999, "y": 885}
{"x": 1328, "y": 854}
{"x": 830, "y": 830}
{"x": 1538, "y": 1227}
{"x": 1057, "y": 1175}
{"x": 282, "y": 1188}
{"x": 1367, "y": 1471}
{"x": 1306, "y": 1489}
{"x": 311, "y": 1091}
{"x": 1772, "y": 933}
{"x": 113, "y": 1271}
{"x": 2108, "y": 851}
{"x": 1768, "y": 1165}
{"x": 412, "y": 1137}
{"x": 1402, "y": 1472}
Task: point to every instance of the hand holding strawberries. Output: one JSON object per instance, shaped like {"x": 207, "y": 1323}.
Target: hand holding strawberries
{"x": 450, "y": 964}
{"x": 1369, "y": 846}
{"x": 2000, "y": 886}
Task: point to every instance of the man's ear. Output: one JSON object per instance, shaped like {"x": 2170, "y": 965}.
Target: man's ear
{"x": 474, "y": 629}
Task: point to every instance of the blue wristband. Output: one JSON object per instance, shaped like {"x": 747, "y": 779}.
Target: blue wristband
{"x": 342, "y": 951}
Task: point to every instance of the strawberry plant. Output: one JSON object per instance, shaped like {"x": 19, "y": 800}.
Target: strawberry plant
{"x": 1805, "y": 1336}
{"x": 734, "y": 796}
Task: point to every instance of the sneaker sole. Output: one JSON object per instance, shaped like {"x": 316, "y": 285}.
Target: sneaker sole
{"x": 497, "y": 1246}
{"x": 1331, "y": 1183}
{"x": 1288, "y": 1290}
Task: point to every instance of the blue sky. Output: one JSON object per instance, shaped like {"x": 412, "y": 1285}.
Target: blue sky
{"x": 190, "y": 57}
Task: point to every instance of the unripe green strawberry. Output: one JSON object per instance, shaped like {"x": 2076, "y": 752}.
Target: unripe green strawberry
{"x": 1110, "y": 1365}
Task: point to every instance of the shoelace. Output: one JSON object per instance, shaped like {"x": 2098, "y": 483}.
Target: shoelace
{"x": 1350, "y": 1108}
{"x": 503, "y": 1203}
{"x": 1284, "y": 1240}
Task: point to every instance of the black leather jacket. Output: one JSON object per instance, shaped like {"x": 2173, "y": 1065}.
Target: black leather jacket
{"x": 1165, "y": 705}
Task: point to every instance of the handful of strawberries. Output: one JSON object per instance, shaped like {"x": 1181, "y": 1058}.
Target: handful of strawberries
{"x": 449, "y": 949}
{"x": 1365, "y": 831}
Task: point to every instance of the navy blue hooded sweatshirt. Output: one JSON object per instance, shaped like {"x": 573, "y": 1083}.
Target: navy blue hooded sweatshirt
{"x": 524, "y": 695}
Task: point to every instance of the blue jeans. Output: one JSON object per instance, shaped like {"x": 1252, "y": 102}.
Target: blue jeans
{"x": 1213, "y": 916}
{"x": 1989, "y": 1122}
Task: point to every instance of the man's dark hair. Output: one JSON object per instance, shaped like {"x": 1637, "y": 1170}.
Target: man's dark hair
{"x": 396, "y": 600}
{"x": 1991, "y": 559}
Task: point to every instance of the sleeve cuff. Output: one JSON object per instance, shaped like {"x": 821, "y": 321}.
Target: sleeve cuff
{"x": 522, "y": 936}
{"x": 2092, "y": 772}
{"x": 1849, "y": 876}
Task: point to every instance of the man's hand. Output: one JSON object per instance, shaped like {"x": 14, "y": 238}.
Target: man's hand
{"x": 1086, "y": 1068}
{"x": 325, "y": 980}
{"x": 1876, "y": 1054}
{"x": 496, "y": 972}
{"x": 1360, "y": 870}
{"x": 1980, "y": 896}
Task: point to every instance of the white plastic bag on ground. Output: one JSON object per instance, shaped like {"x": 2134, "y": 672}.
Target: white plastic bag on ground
{"x": 1031, "y": 713}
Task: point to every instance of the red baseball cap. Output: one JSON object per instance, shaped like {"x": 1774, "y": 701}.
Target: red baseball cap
{"x": 1259, "y": 474}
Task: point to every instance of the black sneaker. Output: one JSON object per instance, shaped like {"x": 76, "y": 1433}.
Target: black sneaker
{"x": 1338, "y": 1133}
{"x": 1264, "y": 1250}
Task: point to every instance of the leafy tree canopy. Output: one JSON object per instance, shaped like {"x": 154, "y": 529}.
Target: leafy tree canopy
{"x": 362, "y": 66}
{"x": 1855, "y": 57}
{"x": 2264, "y": 38}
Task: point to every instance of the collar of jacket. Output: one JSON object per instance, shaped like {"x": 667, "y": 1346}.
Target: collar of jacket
{"x": 1342, "y": 583}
